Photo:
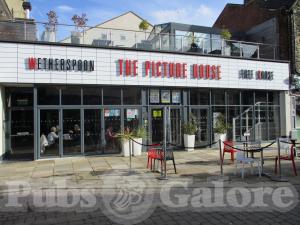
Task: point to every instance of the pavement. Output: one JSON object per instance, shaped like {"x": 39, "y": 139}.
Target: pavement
{"x": 103, "y": 190}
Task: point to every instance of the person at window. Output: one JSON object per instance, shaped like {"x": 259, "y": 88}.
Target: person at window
{"x": 110, "y": 137}
{"x": 52, "y": 136}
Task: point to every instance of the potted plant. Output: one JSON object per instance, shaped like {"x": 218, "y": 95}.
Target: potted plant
{"x": 220, "y": 128}
{"x": 125, "y": 136}
{"x": 80, "y": 24}
{"x": 50, "y": 27}
{"x": 194, "y": 47}
{"x": 189, "y": 130}
{"x": 226, "y": 35}
{"x": 139, "y": 134}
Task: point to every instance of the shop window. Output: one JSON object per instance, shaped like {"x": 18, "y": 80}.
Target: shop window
{"x": 92, "y": 96}
{"x": 247, "y": 98}
{"x": 71, "y": 96}
{"x": 233, "y": 97}
{"x": 111, "y": 96}
{"x": 199, "y": 97}
{"x": 131, "y": 96}
{"x": 19, "y": 97}
{"x": 273, "y": 98}
{"x": 261, "y": 96}
{"x": 218, "y": 97}
{"x": 48, "y": 96}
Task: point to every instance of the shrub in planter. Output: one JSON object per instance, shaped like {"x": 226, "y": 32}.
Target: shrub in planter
{"x": 220, "y": 129}
{"x": 189, "y": 130}
{"x": 125, "y": 136}
{"x": 138, "y": 135}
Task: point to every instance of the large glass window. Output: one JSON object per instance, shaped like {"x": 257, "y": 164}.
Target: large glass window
{"x": 218, "y": 97}
{"x": 261, "y": 96}
{"x": 92, "y": 130}
{"x": 199, "y": 97}
{"x": 111, "y": 96}
{"x": 273, "y": 98}
{"x": 92, "y": 96}
{"x": 48, "y": 96}
{"x": 20, "y": 97}
{"x": 247, "y": 98}
{"x": 131, "y": 96}
{"x": 71, "y": 131}
{"x": 233, "y": 97}
{"x": 71, "y": 96}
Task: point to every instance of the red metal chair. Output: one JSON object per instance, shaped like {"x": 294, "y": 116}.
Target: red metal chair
{"x": 153, "y": 154}
{"x": 290, "y": 156}
{"x": 229, "y": 149}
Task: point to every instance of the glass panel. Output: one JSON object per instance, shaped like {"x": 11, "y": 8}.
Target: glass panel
{"x": 131, "y": 96}
{"x": 112, "y": 96}
{"x": 274, "y": 122}
{"x": 112, "y": 123}
{"x": 48, "y": 96}
{"x": 216, "y": 44}
{"x": 71, "y": 132}
{"x": 92, "y": 130}
{"x": 261, "y": 96}
{"x": 21, "y": 133}
{"x": 218, "y": 97}
{"x": 92, "y": 96}
{"x": 247, "y": 98}
{"x": 49, "y": 133}
{"x": 273, "y": 98}
{"x": 175, "y": 126}
{"x": 71, "y": 96}
{"x": 131, "y": 118}
{"x": 199, "y": 97}
{"x": 20, "y": 96}
{"x": 201, "y": 136}
{"x": 157, "y": 125}
{"x": 233, "y": 97}
{"x": 233, "y": 112}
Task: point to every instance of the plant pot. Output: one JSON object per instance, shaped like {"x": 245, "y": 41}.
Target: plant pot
{"x": 137, "y": 148}
{"x": 125, "y": 148}
{"x": 217, "y": 138}
{"x": 76, "y": 37}
{"x": 189, "y": 142}
{"x": 49, "y": 36}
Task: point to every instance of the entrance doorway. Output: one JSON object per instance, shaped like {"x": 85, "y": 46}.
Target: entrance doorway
{"x": 202, "y": 135}
{"x": 174, "y": 117}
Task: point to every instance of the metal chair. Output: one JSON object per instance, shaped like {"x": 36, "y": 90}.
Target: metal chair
{"x": 289, "y": 156}
{"x": 242, "y": 159}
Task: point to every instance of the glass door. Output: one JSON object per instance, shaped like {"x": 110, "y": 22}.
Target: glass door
{"x": 49, "y": 132}
{"x": 112, "y": 125}
{"x": 71, "y": 132}
{"x": 175, "y": 126}
{"x": 202, "y": 135}
{"x": 92, "y": 131}
{"x": 157, "y": 125}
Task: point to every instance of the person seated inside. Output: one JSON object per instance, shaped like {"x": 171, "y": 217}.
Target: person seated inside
{"x": 110, "y": 137}
{"x": 52, "y": 136}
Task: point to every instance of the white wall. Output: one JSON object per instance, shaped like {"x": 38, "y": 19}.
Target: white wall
{"x": 285, "y": 113}
{"x": 13, "y": 63}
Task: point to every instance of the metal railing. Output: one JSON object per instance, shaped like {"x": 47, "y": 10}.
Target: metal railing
{"x": 244, "y": 118}
{"x": 106, "y": 37}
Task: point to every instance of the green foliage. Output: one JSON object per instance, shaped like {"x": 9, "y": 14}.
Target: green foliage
{"x": 225, "y": 34}
{"x": 220, "y": 126}
{"x": 190, "y": 127}
{"x": 125, "y": 135}
{"x": 144, "y": 25}
{"x": 140, "y": 132}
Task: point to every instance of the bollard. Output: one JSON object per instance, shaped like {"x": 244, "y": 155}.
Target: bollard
{"x": 221, "y": 157}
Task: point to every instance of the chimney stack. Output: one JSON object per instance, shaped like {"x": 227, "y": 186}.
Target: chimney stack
{"x": 27, "y": 7}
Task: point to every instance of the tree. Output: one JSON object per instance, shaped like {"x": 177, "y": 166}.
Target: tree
{"x": 80, "y": 21}
{"x": 144, "y": 25}
{"x": 51, "y": 26}
{"x": 225, "y": 34}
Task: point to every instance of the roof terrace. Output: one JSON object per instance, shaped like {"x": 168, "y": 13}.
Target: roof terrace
{"x": 157, "y": 40}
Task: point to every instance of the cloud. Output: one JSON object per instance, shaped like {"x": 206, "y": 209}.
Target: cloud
{"x": 65, "y": 8}
{"x": 202, "y": 15}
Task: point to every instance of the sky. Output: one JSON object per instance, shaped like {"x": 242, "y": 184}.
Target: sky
{"x": 198, "y": 12}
